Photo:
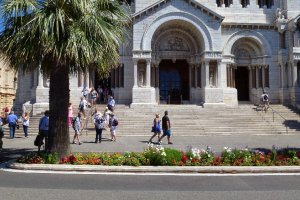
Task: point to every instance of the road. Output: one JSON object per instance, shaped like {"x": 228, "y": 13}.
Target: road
{"x": 24, "y": 186}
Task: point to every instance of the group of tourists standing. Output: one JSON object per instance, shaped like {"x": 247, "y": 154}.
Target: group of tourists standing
{"x": 107, "y": 120}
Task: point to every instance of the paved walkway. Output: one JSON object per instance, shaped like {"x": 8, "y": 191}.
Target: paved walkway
{"x": 19, "y": 145}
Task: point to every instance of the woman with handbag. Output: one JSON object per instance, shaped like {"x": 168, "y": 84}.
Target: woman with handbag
{"x": 155, "y": 128}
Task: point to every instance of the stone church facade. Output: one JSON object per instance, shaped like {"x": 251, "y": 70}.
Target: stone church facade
{"x": 210, "y": 52}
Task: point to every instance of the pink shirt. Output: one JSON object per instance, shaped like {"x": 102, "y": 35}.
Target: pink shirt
{"x": 70, "y": 111}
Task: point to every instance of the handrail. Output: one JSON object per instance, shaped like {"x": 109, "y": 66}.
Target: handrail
{"x": 274, "y": 112}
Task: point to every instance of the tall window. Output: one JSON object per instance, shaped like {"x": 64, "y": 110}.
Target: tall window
{"x": 193, "y": 76}
{"x": 260, "y": 81}
{"x": 267, "y": 3}
{"x": 199, "y": 76}
{"x": 245, "y": 3}
{"x": 112, "y": 74}
{"x": 121, "y": 72}
{"x": 267, "y": 81}
{"x": 226, "y": 2}
{"x": 253, "y": 71}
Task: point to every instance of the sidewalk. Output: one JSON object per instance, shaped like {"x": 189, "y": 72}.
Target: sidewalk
{"x": 15, "y": 147}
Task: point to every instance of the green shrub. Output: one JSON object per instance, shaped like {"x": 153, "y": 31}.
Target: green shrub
{"x": 173, "y": 156}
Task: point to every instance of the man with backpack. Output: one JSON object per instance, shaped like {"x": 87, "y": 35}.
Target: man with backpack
{"x": 113, "y": 123}
{"x": 99, "y": 125}
{"x": 265, "y": 101}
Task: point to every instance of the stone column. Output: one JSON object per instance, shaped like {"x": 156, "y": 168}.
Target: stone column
{"x": 289, "y": 77}
{"x": 148, "y": 74}
{"x": 135, "y": 83}
{"x": 219, "y": 81}
{"x": 295, "y": 75}
{"x": 40, "y": 78}
{"x": 206, "y": 67}
{"x": 87, "y": 79}
{"x": 157, "y": 76}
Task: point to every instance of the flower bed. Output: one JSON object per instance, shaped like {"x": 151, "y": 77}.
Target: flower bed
{"x": 160, "y": 156}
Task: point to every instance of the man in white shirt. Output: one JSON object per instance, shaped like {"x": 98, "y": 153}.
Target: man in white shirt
{"x": 111, "y": 103}
{"x": 83, "y": 105}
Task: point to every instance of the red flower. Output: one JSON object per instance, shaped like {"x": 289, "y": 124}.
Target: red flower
{"x": 184, "y": 158}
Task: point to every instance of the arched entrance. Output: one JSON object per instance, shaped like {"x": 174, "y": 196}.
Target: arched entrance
{"x": 174, "y": 81}
{"x": 249, "y": 67}
{"x": 176, "y": 46}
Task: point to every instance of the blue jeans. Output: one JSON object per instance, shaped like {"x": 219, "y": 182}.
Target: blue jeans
{"x": 25, "y": 128}
{"x": 98, "y": 135}
{"x": 12, "y": 130}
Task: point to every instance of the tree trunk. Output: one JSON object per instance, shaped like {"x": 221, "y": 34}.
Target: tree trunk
{"x": 59, "y": 96}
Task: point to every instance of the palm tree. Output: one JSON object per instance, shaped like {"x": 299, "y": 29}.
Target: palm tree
{"x": 61, "y": 37}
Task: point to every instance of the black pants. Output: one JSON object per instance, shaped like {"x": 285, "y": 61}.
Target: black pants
{"x": 98, "y": 135}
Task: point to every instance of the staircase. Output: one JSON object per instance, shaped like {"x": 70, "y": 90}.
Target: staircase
{"x": 190, "y": 120}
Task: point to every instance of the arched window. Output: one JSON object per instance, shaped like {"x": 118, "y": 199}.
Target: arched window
{"x": 268, "y": 3}
{"x": 245, "y": 3}
{"x": 226, "y": 2}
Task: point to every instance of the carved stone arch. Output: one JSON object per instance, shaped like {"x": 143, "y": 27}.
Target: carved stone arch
{"x": 165, "y": 36}
{"x": 203, "y": 33}
{"x": 248, "y": 45}
{"x": 254, "y": 36}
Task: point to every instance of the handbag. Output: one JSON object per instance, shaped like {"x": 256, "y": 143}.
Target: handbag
{"x": 39, "y": 140}
{"x": 153, "y": 129}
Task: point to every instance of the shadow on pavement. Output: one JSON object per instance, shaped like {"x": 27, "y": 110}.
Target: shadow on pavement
{"x": 11, "y": 153}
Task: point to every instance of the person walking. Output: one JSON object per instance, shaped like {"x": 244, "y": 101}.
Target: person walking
{"x": 12, "y": 121}
{"x": 25, "y": 122}
{"x": 85, "y": 92}
{"x": 166, "y": 126}
{"x": 155, "y": 128}
{"x": 78, "y": 126}
{"x": 113, "y": 123}
{"x": 82, "y": 105}
{"x": 265, "y": 101}
{"x": 100, "y": 93}
{"x": 111, "y": 103}
{"x": 94, "y": 95}
{"x": 99, "y": 125}
{"x": 70, "y": 114}
{"x": 44, "y": 129}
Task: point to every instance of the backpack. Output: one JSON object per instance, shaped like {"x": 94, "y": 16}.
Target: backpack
{"x": 265, "y": 98}
{"x": 73, "y": 122}
{"x": 115, "y": 122}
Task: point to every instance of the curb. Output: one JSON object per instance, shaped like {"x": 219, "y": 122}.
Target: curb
{"x": 157, "y": 169}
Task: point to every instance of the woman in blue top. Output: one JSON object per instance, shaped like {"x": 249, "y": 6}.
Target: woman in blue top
{"x": 155, "y": 128}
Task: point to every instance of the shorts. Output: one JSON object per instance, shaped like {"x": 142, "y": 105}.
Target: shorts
{"x": 167, "y": 133}
{"x": 113, "y": 130}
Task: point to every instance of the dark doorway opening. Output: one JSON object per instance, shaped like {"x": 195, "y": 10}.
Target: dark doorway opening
{"x": 174, "y": 81}
{"x": 105, "y": 85}
{"x": 242, "y": 83}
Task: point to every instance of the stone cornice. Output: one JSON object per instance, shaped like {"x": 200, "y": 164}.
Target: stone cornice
{"x": 194, "y": 3}
{"x": 248, "y": 25}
